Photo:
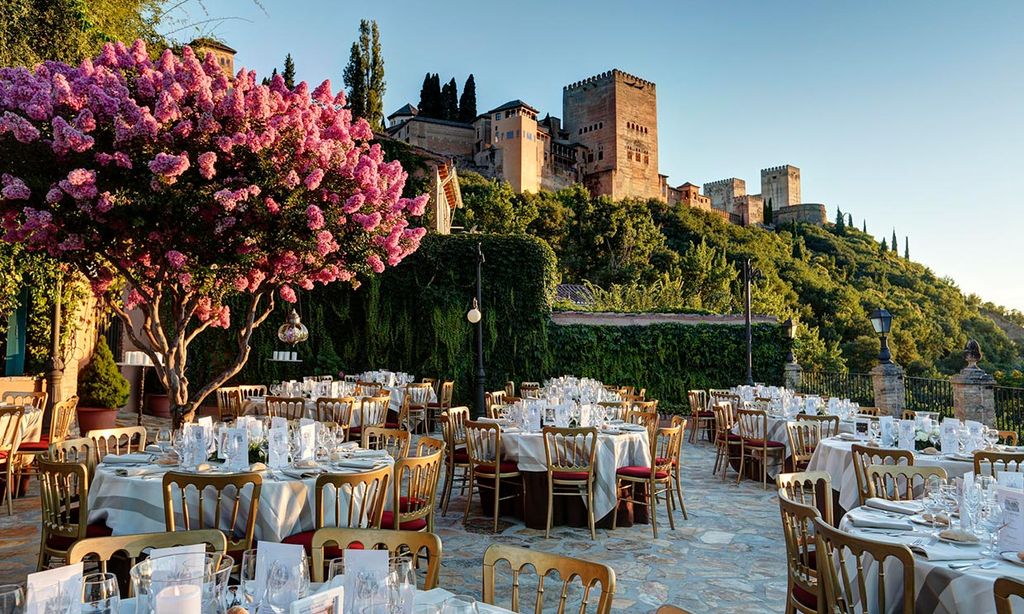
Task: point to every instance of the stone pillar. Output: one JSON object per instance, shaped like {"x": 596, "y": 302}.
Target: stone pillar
{"x": 973, "y": 389}
{"x": 890, "y": 393}
{"x": 792, "y": 374}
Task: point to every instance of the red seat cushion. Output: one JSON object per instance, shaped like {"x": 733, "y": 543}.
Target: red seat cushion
{"x": 805, "y": 597}
{"x": 569, "y": 475}
{"x": 734, "y": 437}
{"x": 757, "y": 443}
{"x": 355, "y": 430}
{"x": 705, "y": 414}
{"x": 461, "y": 456}
{"x": 434, "y": 405}
{"x": 504, "y": 467}
{"x": 97, "y": 529}
{"x": 387, "y": 521}
{"x": 638, "y": 471}
{"x": 35, "y": 446}
{"x": 391, "y": 425}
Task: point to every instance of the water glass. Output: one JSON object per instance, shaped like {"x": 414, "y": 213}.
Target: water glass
{"x": 991, "y": 437}
{"x": 100, "y": 594}
{"x": 163, "y": 440}
{"x": 933, "y": 499}
{"x": 401, "y": 584}
{"x": 991, "y": 521}
{"x": 12, "y": 599}
{"x": 335, "y": 568}
{"x": 247, "y": 576}
{"x": 874, "y": 430}
{"x": 459, "y": 604}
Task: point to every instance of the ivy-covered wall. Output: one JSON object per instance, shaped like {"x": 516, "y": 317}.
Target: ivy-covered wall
{"x": 413, "y": 318}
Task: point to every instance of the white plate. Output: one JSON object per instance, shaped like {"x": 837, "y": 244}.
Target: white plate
{"x": 958, "y": 543}
{"x": 1011, "y": 556}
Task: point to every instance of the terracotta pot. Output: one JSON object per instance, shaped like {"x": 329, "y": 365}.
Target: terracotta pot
{"x": 158, "y": 405}
{"x": 91, "y": 418}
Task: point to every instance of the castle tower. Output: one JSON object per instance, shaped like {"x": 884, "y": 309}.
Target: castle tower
{"x": 520, "y": 151}
{"x": 723, "y": 193}
{"x": 780, "y": 186}
{"x": 615, "y": 116}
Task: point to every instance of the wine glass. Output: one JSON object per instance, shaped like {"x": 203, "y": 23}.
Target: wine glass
{"x": 874, "y": 430}
{"x": 991, "y": 437}
{"x": 12, "y": 599}
{"x": 950, "y": 501}
{"x": 961, "y": 438}
{"x": 335, "y": 569}
{"x": 991, "y": 520}
{"x": 401, "y": 584}
{"x": 933, "y": 499}
{"x": 247, "y": 575}
{"x": 163, "y": 440}
{"x": 100, "y": 594}
{"x": 459, "y": 604}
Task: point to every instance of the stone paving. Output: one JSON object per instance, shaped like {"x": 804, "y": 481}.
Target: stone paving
{"x": 728, "y": 557}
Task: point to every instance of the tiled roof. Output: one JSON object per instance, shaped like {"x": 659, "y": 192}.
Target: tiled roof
{"x": 407, "y": 109}
{"x": 513, "y": 104}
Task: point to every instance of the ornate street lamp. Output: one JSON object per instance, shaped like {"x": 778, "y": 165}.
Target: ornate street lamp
{"x": 293, "y": 330}
{"x": 881, "y": 321}
{"x": 475, "y": 317}
{"x": 789, "y": 327}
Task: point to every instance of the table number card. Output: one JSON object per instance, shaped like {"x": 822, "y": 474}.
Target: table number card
{"x": 947, "y": 436}
{"x": 277, "y": 448}
{"x": 1011, "y": 536}
{"x": 364, "y": 562}
{"x": 307, "y": 441}
{"x": 55, "y": 590}
{"x": 278, "y": 422}
{"x": 1010, "y": 479}
{"x": 908, "y": 433}
{"x": 237, "y": 449}
{"x": 888, "y": 425}
{"x": 289, "y": 556}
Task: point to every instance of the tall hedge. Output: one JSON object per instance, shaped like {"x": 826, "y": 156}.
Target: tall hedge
{"x": 413, "y": 318}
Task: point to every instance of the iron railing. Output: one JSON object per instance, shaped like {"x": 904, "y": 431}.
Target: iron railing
{"x": 927, "y": 394}
{"x": 1009, "y": 408}
{"x": 854, "y": 386}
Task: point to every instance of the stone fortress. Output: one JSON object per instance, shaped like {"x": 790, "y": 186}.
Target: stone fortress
{"x": 608, "y": 142}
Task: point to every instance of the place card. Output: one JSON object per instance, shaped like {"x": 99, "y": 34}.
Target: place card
{"x": 330, "y": 601}
{"x": 236, "y": 453}
{"x": 1010, "y": 479}
{"x": 1011, "y": 536}
{"x": 278, "y": 422}
{"x": 907, "y": 434}
{"x": 289, "y": 556}
{"x": 179, "y": 561}
{"x": 888, "y": 426}
{"x": 307, "y": 441}
{"x": 361, "y": 563}
{"x": 55, "y": 590}
{"x": 277, "y": 448}
{"x": 947, "y": 436}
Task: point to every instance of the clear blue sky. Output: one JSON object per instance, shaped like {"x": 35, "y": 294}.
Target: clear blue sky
{"x": 908, "y": 114}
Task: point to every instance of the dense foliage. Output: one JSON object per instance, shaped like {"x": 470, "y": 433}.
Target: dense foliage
{"x": 100, "y": 384}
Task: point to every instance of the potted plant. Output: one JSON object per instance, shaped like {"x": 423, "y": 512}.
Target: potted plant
{"x": 102, "y": 390}
{"x": 157, "y": 402}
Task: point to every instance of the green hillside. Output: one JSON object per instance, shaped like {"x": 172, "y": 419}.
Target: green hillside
{"x": 830, "y": 278}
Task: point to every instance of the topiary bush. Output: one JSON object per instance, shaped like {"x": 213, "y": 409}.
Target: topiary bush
{"x": 100, "y": 383}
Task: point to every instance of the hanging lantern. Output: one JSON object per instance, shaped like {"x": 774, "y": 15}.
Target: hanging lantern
{"x": 292, "y": 331}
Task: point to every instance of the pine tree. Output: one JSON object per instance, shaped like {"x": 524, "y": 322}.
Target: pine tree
{"x": 895, "y": 242}
{"x": 288, "y": 74}
{"x": 450, "y": 100}
{"x": 467, "y": 103}
{"x": 885, "y": 246}
{"x": 355, "y": 81}
{"x": 906, "y": 248}
{"x": 840, "y": 221}
{"x": 376, "y": 86}
{"x": 267, "y": 80}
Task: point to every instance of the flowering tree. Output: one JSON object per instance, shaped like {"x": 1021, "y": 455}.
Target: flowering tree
{"x": 171, "y": 187}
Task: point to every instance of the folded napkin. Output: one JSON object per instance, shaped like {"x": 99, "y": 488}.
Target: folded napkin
{"x": 899, "y": 507}
{"x": 847, "y": 437}
{"x": 487, "y": 421}
{"x": 863, "y": 520}
{"x": 153, "y": 449}
{"x": 349, "y": 445}
{"x": 136, "y": 458}
{"x": 356, "y": 463}
{"x": 369, "y": 454}
{"x": 632, "y": 427}
{"x": 301, "y": 474}
{"x": 134, "y": 472}
{"x": 947, "y": 552}
{"x": 435, "y": 596}
{"x": 608, "y": 431}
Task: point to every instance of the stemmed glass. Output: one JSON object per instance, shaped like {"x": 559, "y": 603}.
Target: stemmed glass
{"x": 247, "y": 575}
{"x": 401, "y": 584}
{"x": 950, "y": 501}
{"x": 933, "y": 499}
{"x": 335, "y": 569}
{"x": 100, "y": 594}
{"x": 991, "y": 437}
{"x": 163, "y": 440}
{"x": 961, "y": 438}
{"x": 991, "y": 520}
{"x": 12, "y": 599}
{"x": 875, "y": 430}
{"x": 459, "y": 604}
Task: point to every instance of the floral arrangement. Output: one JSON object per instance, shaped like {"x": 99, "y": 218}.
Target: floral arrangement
{"x": 922, "y": 438}
{"x": 170, "y": 187}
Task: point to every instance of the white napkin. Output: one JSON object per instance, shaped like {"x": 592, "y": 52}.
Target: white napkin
{"x": 153, "y": 449}
{"x": 356, "y": 463}
{"x": 136, "y": 458}
{"x": 899, "y": 507}
{"x": 878, "y": 522}
{"x": 369, "y": 454}
{"x": 947, "y": 552}
{"x": 632, "y": 427}
{"x": 300, "y": 474}
{"x": 435, "y": 596}
{"x": 847, "y": 437}
{"x": 487, "y": 421}
{"x": 134, "y": 472}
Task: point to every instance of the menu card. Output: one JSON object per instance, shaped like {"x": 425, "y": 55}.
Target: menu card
{"x": 236, "y": 452}
{"x": 277, "y": 448}
{"x": 55, "y": 590}
{"x": 278, "y": 422}
{"x": 947, "y": 436}
{"x": 1010, "y": 479}
{"x": 268, "y": 554}
{"x": 888, "y": 425}
{"x": 907, "y": 434}
{"x": 361, "y": 563}
{"x": 330, "y": 601}
{"x": 1011, "y": 536}
{"x": 307, "y": 441}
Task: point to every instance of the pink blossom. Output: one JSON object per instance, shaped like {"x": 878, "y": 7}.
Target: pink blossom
{"x": 313, "y": 179}
{"x": 175, "y": 258}
{"x": 80, "y": 184}
{"x": 54, "y": 195}
{"x": 206, "y": 161}
{"x": 105, "y": 202}
{"x": 291, "y": 180}
{"x": 375, "y": 263}
{"x": 169, "y": 166}
{"x": 67, "y": 139}
{"x": 287, "y": 294}
{"x": 314, "y": 217}
{"x": 14, "y": 188}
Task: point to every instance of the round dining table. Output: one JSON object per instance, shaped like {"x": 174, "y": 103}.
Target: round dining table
{"x": 257, "y": 406}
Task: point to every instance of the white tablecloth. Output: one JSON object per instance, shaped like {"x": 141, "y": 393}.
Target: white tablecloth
{"x": 777, "y": 431}
{"x": 31, "y": 425}
{"x": 938, "y": 589}
{"x": 257, "y": 406}
{"x": 835, "y": 457}
{"x": 135, "y": 504}
{"x": 613, "y": 451}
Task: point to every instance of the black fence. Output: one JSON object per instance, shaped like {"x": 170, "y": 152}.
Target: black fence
{"x": 854, "y": 386}
{"x": 926, "y": 394}
{"x": 1009, "y": 408}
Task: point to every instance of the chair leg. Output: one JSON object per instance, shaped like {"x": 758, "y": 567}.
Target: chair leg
{"x": 668, "y": 505}
{"x": 497, "y": 499}
{"x": 551, "y": 505}
{"x": 743, "y": 462}
{"x": 679, "y": 492}
{"x": 590, "y": 509}
{"x": 10, "y": 487}
{"x": 615, "y": 510}
{"x": 446, "y": 494}
{"x": 652, "y": 510}
{"x": 764, "y": 470}
{"x": 469, "y": 499}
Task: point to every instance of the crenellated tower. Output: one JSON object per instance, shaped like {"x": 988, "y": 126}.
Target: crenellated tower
{"x": 780, "y": 186}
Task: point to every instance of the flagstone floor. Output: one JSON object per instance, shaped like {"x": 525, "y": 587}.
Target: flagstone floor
{"x": 729, "y": 557}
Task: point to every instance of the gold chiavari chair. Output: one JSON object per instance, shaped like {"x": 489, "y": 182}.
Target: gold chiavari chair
{"x": 616, "y": 409}
{"x": 237, "y": 519}
{"x": 755, "y": 447}
{"x": 248, "y": 391}
{"x": 356, "y": 500}
{"x": 813, "y": 488}
{"x": 418, "y": 544}
{"x": 510, "y": 388}
{"x": 373, "y": 411}
{"x": 717, "y": 395}
{"x": 569, "y": 571}
{"x": 60, "y": 425}
{"x": 677, "y": 465}
{"x": 701, "y": 417}
{"x": 842, "y": 562}
{"x": 79, "y": 450}
{"x": 828, "y": 425}
{"x": 337, "y": 410}
{"x": 804, "y": 590}
{"x": 10, "y": 440}
{"x": 35, "y": 400}
{"x": 369, "y": 389}
{"x": 443, "y": 403}
{"x": 119, "y": 440}
{"x": 289, "y": 408}
{"x": 1004, "y": 589}
{"x": 803, "y": 439}
{"x": 897, "y": 483}
{"x": 657, "y": 477}
{"x": 874, "y": 412}
{"x": 650, "y": 406}
{"x": 648, "y": 419}
{"x": 64, "y": 505}
{"x": 570, "y": 454}
{"x": 486, "y": 463}
{"x": 864, "y": 456}
{"x": 413, "y": 412}
{"x": 430, "y": 380}
{"x": 229, "y": 402}
{"x": 498, "y": 397}
{"x": 456, "y": 459}
{"x": 414, "y": 493}
{"x": 529, "y": 390}
{"x": 908, "y": 414}
{"x": 394, "y": 441}
{"x": 1008, "y": 438}
{"x": 428, "y": 445}
{"x": 987, "y": 462}
{"x": 726, "y": 442}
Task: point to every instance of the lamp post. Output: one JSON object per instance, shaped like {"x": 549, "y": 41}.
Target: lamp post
{"x": 55, "y": 363}
{"x": 747, "y": 274}
{"x": 881, "y": 321}
{"x": 789, "y": 326}
{"x": 475, "y": 317}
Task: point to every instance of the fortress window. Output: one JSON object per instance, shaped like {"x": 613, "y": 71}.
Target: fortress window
{"x": 510, "y": 134}
{"x": 600, "y": 155}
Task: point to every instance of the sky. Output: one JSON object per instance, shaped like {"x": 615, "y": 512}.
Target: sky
{"x": 909, "y": 115}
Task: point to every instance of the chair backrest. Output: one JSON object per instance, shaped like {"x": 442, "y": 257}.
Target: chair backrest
{"x": 813, "y": 488}
{"x": 724, "y": 421}
{"x": 804, "y": 436}
{"x": 229, "y": 402}
{"x": 650, "y": 406}
{"x": 868, "y": 455}
{"x": 1008, "y": 437}
{"x": 483, "y": 442}
{"x": 10, "y": 428}
{"x": 447, "y": 392}
{"x": 498, "y": 397}
{"x": 987, "y": 462}
{"x": 898, "y": 483}
{"x": 102, "y": 549}
{"x": 510, "y": 388}
{"x": 869, "y": 411}
{"x": 616, "y": 409}
{"x": 395, "y": 441}
{"x": 80, "y": 450}
{"x": 373, "y": 411}
{"x": 335, "y": 409}
{"x": 529, "y": 390}
{"x": 646, "y": 418}
{"x": 290, "y": 408}
{"x": 753, "y": 424}
{"x": 428, "y": 445}
{"x": 829, "y": 425}
{"x": 247, "y": 391}
{"x": 430, "y": 380}
{"x": 798, "y": 531}
{"x": 61, "y": 418}
{"x": 570, "y": 449}
{"x": 908, "y": 414}
{"x": 665, "y": 448}
{"x": 236, "y": 517}
{"x": 457, "y": 417}
{"x": 63, "y": 498}
{"x": 415, "y": 489}
{"x": 569, "y": 570}
{"x": 35, "y": 400}
{"x": 418, "y": 395}
{"x": 418, "y": 544}
{"x": 698, "y": 401}
{"x": 368, "y": 389}
{"x": 845, "y": 572}
{"x": 120, "y": 440}
{"x": 1004, "y": 589}
{"x": 358, "y": 498}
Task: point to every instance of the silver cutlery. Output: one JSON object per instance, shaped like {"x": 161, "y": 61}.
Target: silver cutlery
{"x": 978, "y": 564}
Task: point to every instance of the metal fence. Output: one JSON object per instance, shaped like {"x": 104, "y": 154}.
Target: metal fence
{"x": 926, "y": 394}
{"x": 1009, "y": 408}
{"x": 854, "y": 386}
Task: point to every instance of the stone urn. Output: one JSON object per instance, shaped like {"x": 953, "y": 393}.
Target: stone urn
{"x": 92, "y": 418}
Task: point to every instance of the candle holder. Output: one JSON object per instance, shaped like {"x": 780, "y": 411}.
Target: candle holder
{"x": 180, "y": 583}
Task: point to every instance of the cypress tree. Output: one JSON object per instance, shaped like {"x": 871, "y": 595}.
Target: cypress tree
{"x": 288, "y": 74}
{"x": 768, "y": 214}
{"x": 355, "y": 81}
{"x": 424, "y": 94}
{"x": 467, "y": 102}
{"x": 364, "y": 76}
{"x": 895, "y": 242}
{"x": 865, "y": 228}
{"x": 840, "y": 221}
{"x": 375, "y": 84}
{"x": 885, "y": 246}
{"x": 435, "y": 106}
{"x": 450, "y": 100}
{"x": 906, "y": 248}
